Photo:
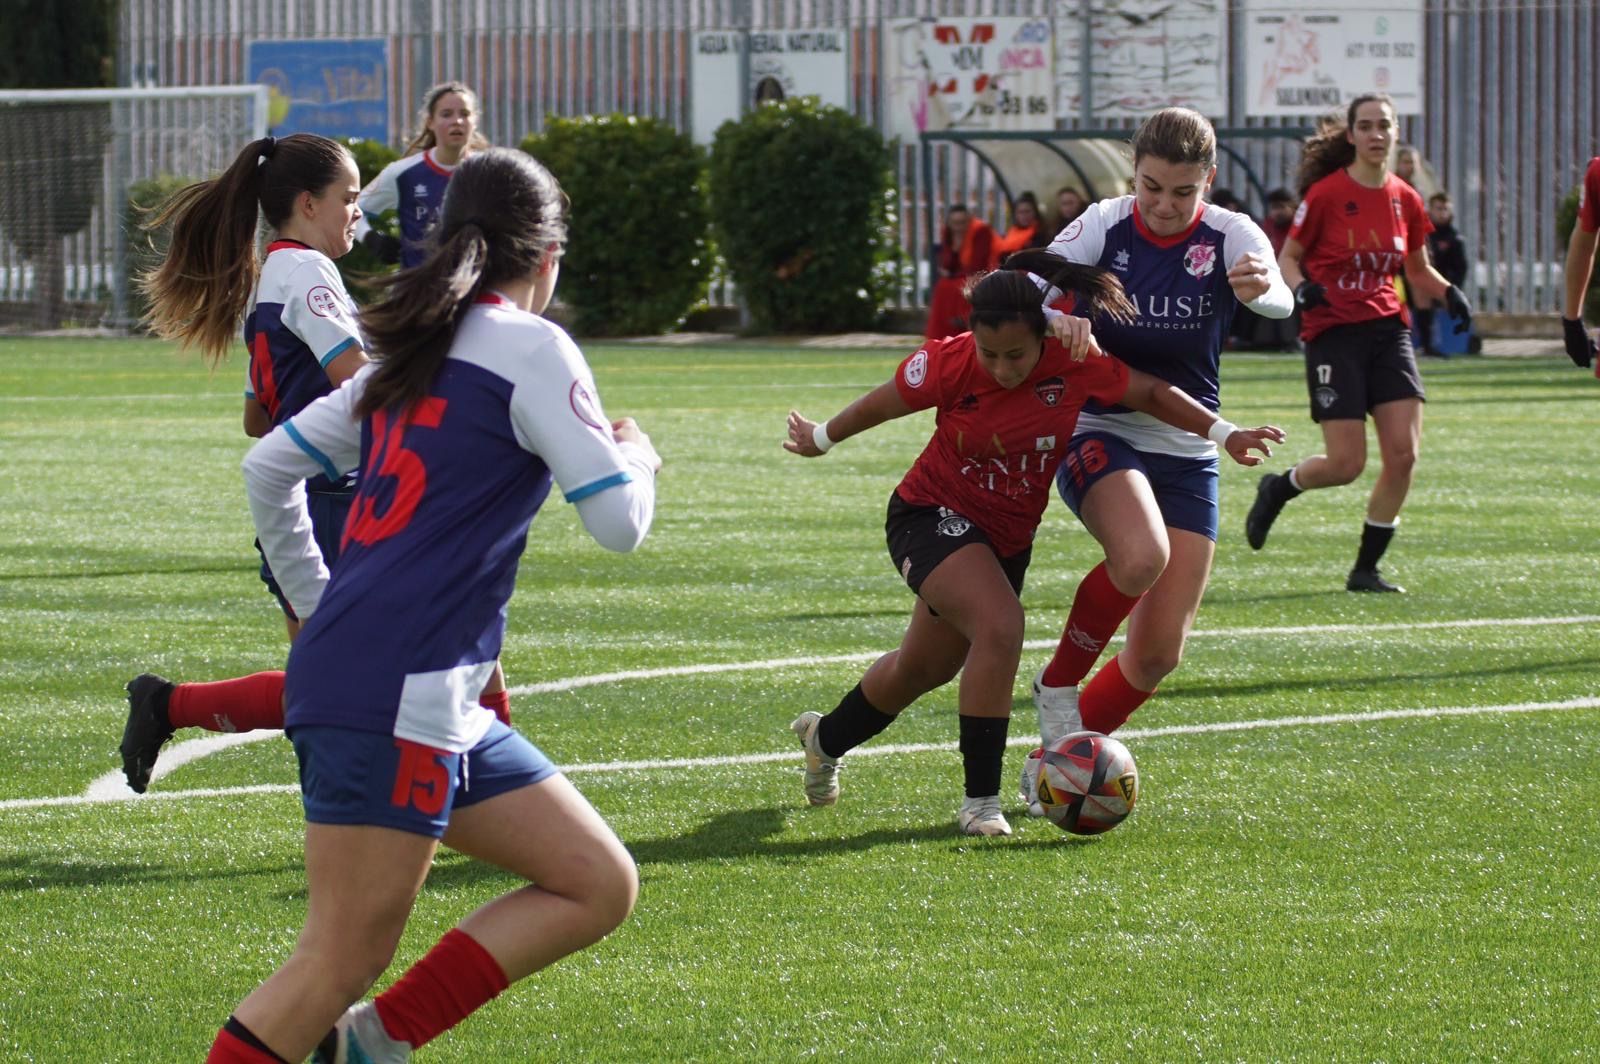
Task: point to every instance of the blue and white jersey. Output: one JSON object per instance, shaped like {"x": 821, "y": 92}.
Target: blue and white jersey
{"x": 300, "y": 320}
{"x": 407, "y": 629}
{"x": 414, "y": 186}
{"x": 1180, "y": 285}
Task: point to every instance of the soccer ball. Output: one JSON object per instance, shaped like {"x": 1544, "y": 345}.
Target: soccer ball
{"x": 1086, "y": 782}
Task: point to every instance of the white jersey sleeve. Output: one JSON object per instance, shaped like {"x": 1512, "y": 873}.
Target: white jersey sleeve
{"x": 383, "y": 194}
{"x": 558, "y": 417}
{"x": 1241, "y": 236}
{"x": 1082, "y": 241}
{"x": 318, "y": 310}
{"x": 323, "y": 438}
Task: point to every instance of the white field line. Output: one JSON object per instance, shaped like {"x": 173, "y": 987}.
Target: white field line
{"x": 107, "y": 794}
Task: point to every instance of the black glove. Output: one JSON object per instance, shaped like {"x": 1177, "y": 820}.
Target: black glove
{"x": 1580, "y": 347}
{"x": 1460, "y": 309}
{"x": 383, "y": 245}
{"x": 1308, "y": 294}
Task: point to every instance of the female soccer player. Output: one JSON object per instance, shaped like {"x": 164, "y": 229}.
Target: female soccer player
{"x": 414, "y": 184}
{"x": 1147, "y": 491}
{"x": 1358, "y": 226}
{"x": 474, "y": 406}
{"x": 961, "y": 523}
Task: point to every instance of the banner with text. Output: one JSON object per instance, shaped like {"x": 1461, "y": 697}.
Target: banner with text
{"x": 972, "y": 75}
{"x": 1142, "y": 55}
{"x": 783, "y": 63}
{"x": 338, "y": 88}
{"x": 1311, "y": 59}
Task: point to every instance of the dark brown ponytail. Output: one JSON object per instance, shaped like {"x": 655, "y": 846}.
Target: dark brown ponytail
{"x": 1011, "y": 295}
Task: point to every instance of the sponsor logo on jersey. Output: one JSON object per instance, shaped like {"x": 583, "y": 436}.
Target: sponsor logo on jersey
{"x": 1326, "y": 397}
{"x": 1044, "y": 443}
{"x": 584, "y": 405}
{"x": 1120, "y": 261}
{"x": 1200, "y": 259}
{"x": 953, "y": 524}
{"x": 324, "y": 302}
{"x": 917, "y": 369}
{"x": 1050, "y": 390}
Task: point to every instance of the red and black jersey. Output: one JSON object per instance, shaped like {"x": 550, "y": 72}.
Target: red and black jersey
{"x": 995, "y": 450}
{"x": 1589, "y": 198}
{"x": 1356, "y": 240}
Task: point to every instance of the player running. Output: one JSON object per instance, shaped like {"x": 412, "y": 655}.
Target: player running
{"x": 961, "y": 523}
{"x": 1358, "y": 226}
{"x": 1581, "y": 347}
{"x": 1147, "y": 491}
{"x": 475, "y": 407}
{"x": 413, "y": 185}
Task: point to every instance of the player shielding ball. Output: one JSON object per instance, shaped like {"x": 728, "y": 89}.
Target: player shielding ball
{"x": 473, "y": 410}
{"x": 1358, "y": 226}
{"x": 960, "y": 525}
{"x": 1145, "y": 490}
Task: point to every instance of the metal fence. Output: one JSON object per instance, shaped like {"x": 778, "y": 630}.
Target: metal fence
{"x": 1512, "y": 91}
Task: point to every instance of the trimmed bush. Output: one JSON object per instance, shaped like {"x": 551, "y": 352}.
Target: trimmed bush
{"x": 801, "y": 198}
{"x": 1566, "y": 221}
{"x": 638, "y": 257}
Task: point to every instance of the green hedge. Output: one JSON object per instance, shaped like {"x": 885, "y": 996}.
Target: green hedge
{"x": 638, "y": 258}
{"x": 802, "y": 198}
{"x": 1566, "y": 221}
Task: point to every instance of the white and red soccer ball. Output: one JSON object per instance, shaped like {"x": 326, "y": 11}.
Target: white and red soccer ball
{"x": 1086, "y": 782}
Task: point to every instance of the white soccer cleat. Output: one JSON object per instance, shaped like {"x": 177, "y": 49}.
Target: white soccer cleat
{"x": 982, "y": 816}
{"x": 1058, "y": 710}
{"x": 1028, "y": 786}
{"x": 359, "y": 1038}
{"x": 822, "y": 771}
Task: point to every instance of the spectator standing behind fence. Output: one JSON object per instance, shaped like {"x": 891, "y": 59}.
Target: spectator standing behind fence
{"x": 1028, "y": 229}
{"x": 1449, "y": 257}
{"x": 1581, "y": 347}
{"x": 1069, "y": 204}
{"x": 1277, "y": 334}
{"x": 966, "y": 247}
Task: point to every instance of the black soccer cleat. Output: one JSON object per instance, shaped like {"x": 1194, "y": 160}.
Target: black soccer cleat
{"x": 147, "y": 728}
{"x": 1264, "y": 511}
{"x": 1370, "y": 580}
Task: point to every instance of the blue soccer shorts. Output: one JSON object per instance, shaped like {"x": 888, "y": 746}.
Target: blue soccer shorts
{"x": 368, "y": 778}
{"x": 1185, "y": 488}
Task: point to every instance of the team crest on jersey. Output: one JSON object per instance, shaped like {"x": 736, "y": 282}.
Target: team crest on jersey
{"x": 1326, "y": 397}
{"x": 1200, "y": 259}
{"x": 1050, "y": 390}
{"x": 324, "y": 303}
{"x": 952, "y": 523}
{"x": 584, "y": 405}
{"x": 1119, "y": 261}
{"x": 917, "y": 369}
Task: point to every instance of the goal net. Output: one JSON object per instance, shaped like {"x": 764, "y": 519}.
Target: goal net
{"x": 72, "y": 164}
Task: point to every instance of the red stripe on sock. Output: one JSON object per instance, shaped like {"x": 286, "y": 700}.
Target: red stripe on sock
{"x": 229, "y": 1050}
{"x": 453, "y": 981}
{"x": 1098, "y": 610}
{"x": 245, "y": 703}
{"x": 500, "y": 703}
{"x": 1109, "y": 699}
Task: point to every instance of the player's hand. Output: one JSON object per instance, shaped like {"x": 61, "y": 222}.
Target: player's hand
{"x": 1461, "y": 310}
{"x": 1308, "y": 294}
{"x": 1250, "y": 278}
{"x": 1581, "y": 347}
{"x": 801, "y": 439}
{"x": 1241, "y": 442}
{"x": 382, "y": 245}
{"x": 627, "y": 430}
{"x": 1073, "y": 333}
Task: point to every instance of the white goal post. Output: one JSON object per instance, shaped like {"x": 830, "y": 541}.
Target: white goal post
{"x": 69, "y": 242}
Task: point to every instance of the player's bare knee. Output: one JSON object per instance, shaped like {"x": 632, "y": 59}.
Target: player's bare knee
{"x": 1342, "y": 470}
{"x": 1136, "y": 572}
{"x": 1400, "y": 462}
{"x": 1156, "y": 662}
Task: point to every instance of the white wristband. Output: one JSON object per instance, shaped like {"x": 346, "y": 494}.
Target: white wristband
{"x": 1220, "y": 430}
{"x": 819, "y": 437}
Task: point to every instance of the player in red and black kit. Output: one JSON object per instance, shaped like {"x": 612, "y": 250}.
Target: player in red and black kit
{"x": 961, "y": 523}
{"x": 1357, "y": 227}
{"x": 1581, "y": 347}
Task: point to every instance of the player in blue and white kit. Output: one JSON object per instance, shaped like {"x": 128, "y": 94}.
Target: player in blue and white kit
{"x": 475, "y": 408}
{"x": 414, "y": 184}
{"x": 1146, "y": 491}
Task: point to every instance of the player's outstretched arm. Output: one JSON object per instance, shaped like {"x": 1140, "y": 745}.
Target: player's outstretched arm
{"x": 809, "y": 439}
{"x": 1161, "y": 400}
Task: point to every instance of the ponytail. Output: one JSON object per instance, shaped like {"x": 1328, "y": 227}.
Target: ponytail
{"x": 1009, "y": 294}
{"x": 1330, "y": 148}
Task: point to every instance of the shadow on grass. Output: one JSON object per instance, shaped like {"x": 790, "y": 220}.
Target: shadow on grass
{"x": 26, "y": 874}
{"x": 97, "y": 574}
{"x": 1367, "y": 680}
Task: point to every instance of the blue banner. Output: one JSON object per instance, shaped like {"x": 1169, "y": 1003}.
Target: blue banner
{"x": 338, "y": 88}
